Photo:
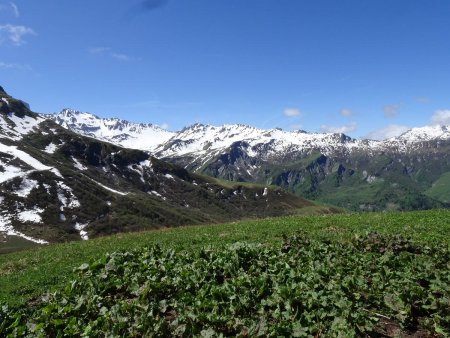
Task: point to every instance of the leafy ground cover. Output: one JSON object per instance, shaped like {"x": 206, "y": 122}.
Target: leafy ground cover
{"x": 375, "y": 285}
{"x": 335, "y": 275}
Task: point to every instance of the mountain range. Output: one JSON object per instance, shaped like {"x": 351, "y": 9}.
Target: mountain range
{"x": 58, "y": 185}
{"x": 411, "y": 171}
{"x": 73, "y": 175}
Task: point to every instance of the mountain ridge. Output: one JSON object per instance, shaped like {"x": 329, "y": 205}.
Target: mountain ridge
{"x": 413, "y": 135}
{"x": 360, "y": 174}
{"x": 114, "y": 130}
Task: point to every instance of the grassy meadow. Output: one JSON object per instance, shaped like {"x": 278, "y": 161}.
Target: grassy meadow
{"x": 407, "y": 252}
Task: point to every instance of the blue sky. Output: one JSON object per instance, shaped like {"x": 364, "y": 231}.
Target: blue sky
{"x": 366, "y": 68}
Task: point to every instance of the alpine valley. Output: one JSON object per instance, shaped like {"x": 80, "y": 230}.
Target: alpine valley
{"x": 57, "y": 184}
{"x": 408, "y": 172}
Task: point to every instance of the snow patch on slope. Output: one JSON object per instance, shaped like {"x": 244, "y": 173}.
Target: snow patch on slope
{"x": 18, "y": 126}
{"x": 107, "y": 188}
{"x": 146, "y": 163}
{"x": 78, "y": 165}
{"x": 51, "y": 148}
{"x": 26, "y": 187}
{"x": 66, "y": 197}
{"x": 7, "y": 228}
{"x": 80, "y": 228}
{"x": 23, "y": 156}
{"x": 11, "y": 171}
{"x": 32, "y": 215}
{"x": 138, "y": 169}
{"x": 56, "y": 172}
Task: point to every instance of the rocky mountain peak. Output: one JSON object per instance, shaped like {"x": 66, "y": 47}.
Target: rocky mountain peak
{"x": 437, "y": 132}
{"x": 114, "y": 130}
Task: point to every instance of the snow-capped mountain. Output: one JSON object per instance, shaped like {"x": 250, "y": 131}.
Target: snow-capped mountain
{"x": 397, "y": 173}
{"x": 56, "y": 185}
{"x": 428, "y": 133}
{"x": 205, "y": 141}
{"x": 198, "y": 138}
{"x": 120, "y": 132}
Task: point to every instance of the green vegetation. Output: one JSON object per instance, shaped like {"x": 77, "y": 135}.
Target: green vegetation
{"x": 235, "y": 184}
{"x": 441, "y": 189}
{"x": 297, "y": 275}
{"x": 13, "y": 243}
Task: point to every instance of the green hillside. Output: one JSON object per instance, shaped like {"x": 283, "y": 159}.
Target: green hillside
{"x": 358, "y": 274}
{"x": 440, "y": 189}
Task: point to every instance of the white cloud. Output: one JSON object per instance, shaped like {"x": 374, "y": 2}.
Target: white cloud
{"x": 14, "y": 34}
{"x": 391, "y": 110}
{"x": 14, "y": 66}
{"x": 15, "y": 9}
{"x": 164, "y": 126}
{"x": 441, "y": 117}
{"x": 109, "y": 52}
{"x": 121, "y": 57}
{"x": 346, "y": 112}
{"x": 391, "y": 130}
{"x": 292, "y": 112}
{"x": 342, "y": 129}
